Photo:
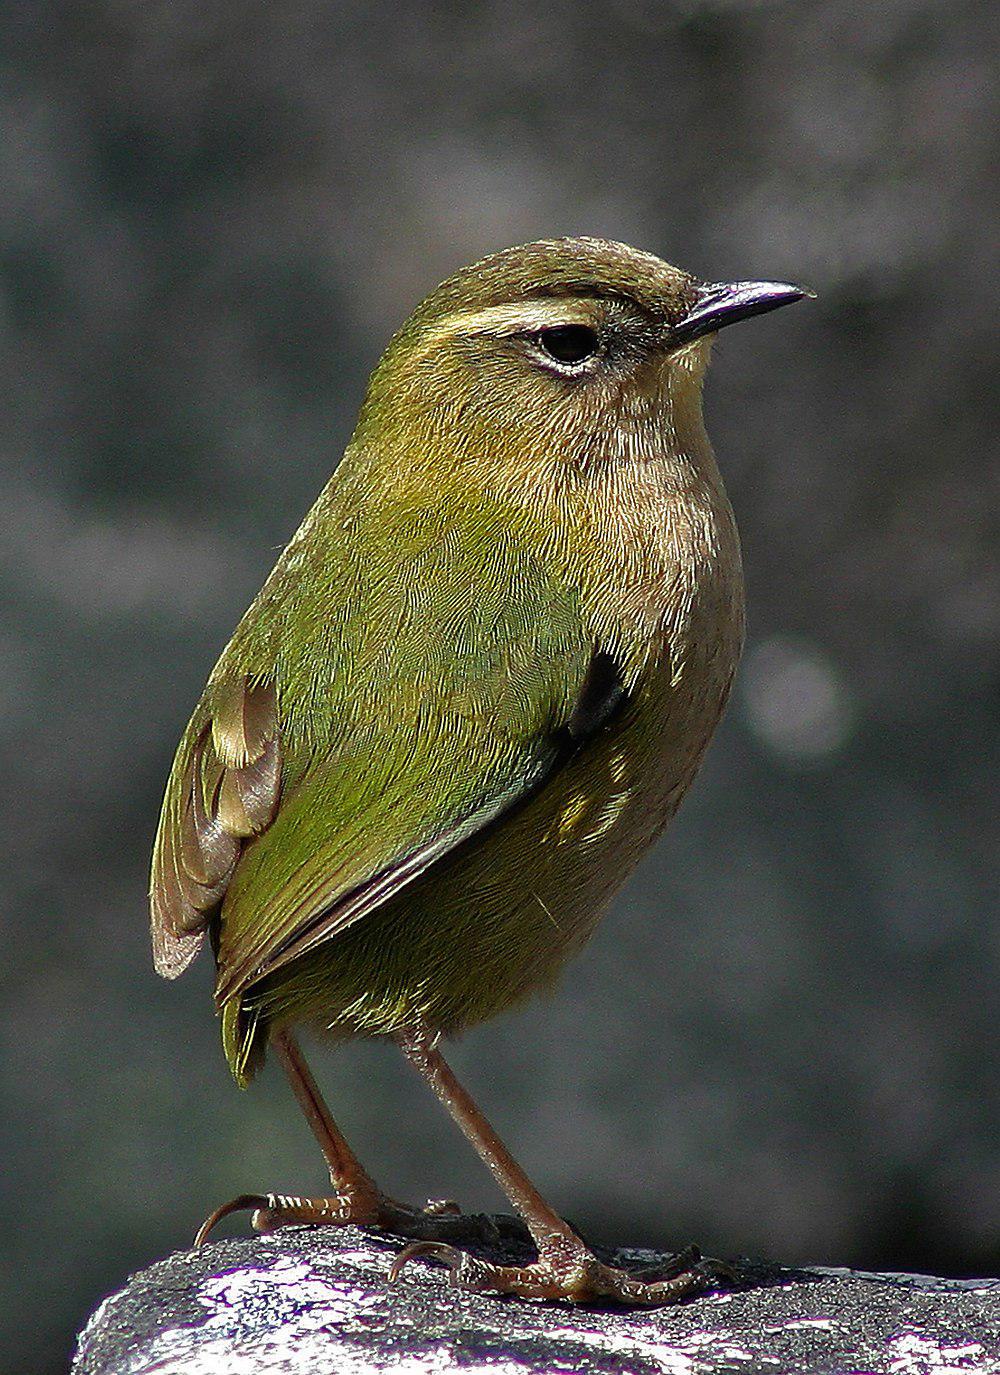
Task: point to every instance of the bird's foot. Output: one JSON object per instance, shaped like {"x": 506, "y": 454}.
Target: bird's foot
{"x": 271, "y": 1211}
{"x": 574, "y": 1274}
{"x": 440, "y": 1220}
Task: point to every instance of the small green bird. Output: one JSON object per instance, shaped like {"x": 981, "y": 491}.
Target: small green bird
{"x": 472, "y": 692}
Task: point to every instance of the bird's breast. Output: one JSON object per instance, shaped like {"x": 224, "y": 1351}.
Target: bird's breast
{"x": 668, "y": 596}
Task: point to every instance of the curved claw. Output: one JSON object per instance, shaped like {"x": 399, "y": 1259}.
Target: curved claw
{"x": 433, "y": 1250}
{"x": 687, "y": 1259}
{"x": 441, "y": 1207}
{"x": 241, "y": 1203}
{"x": 715, "y": 1269}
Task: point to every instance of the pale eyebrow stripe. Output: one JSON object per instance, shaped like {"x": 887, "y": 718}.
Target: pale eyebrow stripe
{"x": 512, "y": 318}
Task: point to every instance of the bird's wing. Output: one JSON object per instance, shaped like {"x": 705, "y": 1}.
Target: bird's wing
{"x": 429, "y": 681}
{"x": 223, "y": 789}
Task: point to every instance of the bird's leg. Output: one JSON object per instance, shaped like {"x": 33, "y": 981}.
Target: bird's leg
{"x": 355, "y": 1199}
{"x": 566, "y": 1268}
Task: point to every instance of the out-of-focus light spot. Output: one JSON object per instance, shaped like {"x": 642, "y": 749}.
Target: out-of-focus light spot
{"x": 796, "y": 700}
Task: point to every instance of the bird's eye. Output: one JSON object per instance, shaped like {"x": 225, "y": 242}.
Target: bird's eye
{"x": 569, "y": 343}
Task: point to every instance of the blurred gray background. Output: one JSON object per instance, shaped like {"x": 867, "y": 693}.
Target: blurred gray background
{"x": 783, "y": 1040}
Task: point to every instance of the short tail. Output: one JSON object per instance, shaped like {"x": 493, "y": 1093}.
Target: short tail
{"x": 244, "y": 1039}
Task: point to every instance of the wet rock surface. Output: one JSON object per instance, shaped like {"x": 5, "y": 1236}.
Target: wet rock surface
{"x": 313, "y": 1301}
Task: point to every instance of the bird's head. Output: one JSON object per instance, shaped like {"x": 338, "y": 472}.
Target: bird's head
{"x": 565, "y": 351}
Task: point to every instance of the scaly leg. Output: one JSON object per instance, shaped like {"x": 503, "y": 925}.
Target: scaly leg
{"x": 566, "y": 1268}
{"x": 355, "y": 1199}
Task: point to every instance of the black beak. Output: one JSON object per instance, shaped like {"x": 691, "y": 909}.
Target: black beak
{"x": 723, "y": 303}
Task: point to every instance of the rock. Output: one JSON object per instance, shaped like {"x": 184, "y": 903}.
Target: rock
{"x": 309, "y": 1301}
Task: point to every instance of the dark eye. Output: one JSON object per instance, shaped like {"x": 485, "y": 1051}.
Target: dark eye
{"x": 569, "y": 343}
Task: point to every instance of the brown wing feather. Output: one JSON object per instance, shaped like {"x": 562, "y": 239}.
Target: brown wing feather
{"x": 223, "y": 788}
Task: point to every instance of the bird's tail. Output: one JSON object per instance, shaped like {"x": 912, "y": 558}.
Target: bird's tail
{"x": 244, "y": 1037}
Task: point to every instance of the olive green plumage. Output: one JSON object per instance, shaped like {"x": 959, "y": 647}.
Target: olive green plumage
{"x": 480, "y": 677}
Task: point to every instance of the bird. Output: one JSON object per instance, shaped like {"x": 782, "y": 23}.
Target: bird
{"x": 470, "y": 695}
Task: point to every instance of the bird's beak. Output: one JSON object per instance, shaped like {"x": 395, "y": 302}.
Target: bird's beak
{"x": 723, "y": 303}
